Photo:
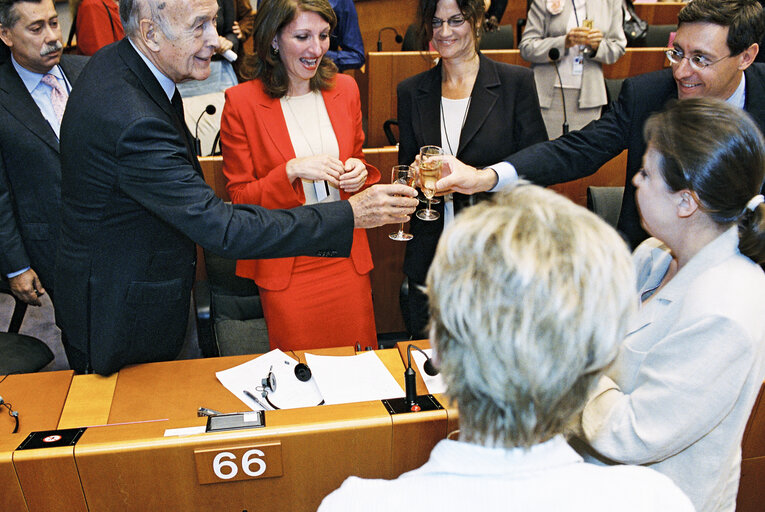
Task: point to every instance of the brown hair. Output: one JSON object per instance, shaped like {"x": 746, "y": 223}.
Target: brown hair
{"x": 717, "y": 151}
{"x": 272, "y": 17}
{"x": 472, "y": 10}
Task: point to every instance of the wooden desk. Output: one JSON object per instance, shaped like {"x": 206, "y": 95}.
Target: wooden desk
{"x": 39, "y": 399}
{"x": 131, "y": 466}
{"x": 659, "y": 13}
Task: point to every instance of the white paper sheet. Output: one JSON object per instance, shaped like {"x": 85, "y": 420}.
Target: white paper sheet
{"x": 290, "y": 393}
{"x": 435, "y": 383}
{"x": 356, "y": 378}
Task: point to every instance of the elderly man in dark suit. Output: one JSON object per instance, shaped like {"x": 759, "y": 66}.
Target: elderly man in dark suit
{"x": 712, "y": 56}
{"x": 30, "y": 169}
{"x": 134, "y": 200}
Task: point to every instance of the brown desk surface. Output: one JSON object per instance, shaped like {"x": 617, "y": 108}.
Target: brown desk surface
{"x": 39, "y": 399}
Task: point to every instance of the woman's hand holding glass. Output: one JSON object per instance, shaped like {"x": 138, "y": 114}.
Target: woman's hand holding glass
{"x": 316, "y": 168}
{"x": 355, "y": 175}
{"x": 429, "y": 173}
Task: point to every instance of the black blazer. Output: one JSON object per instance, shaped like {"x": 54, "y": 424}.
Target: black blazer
{"x": 134, "y": 202}
{"x": 581, "y": 153}
{"x": 504, "y": 113}
{"x": 30, "y": 177}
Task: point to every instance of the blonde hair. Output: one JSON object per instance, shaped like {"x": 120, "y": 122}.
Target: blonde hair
{"x": 530, "y": 296}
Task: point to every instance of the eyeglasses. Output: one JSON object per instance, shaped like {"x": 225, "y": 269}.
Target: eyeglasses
{"x": 453, "y": 22}
{"x": 697, "y": 62}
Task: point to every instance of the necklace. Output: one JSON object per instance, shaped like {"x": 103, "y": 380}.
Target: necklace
{"x": 446, "y": 130}
{"x": 300, "y": 127}
{"x": 314, "y": 152}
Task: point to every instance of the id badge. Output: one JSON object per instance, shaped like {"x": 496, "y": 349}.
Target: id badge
{"x": 578, "y": 65}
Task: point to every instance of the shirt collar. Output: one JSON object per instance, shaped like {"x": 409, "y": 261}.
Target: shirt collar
{"x": 166, "y": 83}
{"x": 30, "y": 78}
{"x": 738, "y": 98}
{"x": 471, "y": 459}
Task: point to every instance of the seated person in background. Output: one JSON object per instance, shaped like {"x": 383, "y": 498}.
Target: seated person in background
{"x": 97, "y": 24}
{"x": 712, "y": 57}
{"x": 473, "y": 107}
{"x": 682, "y": 387}
{"x": 293, "y": 136}
{"x": 582, "y": 51}
{"x": 530, "y": 297}
{"x": 346, "y": 45}
{"x": 495, "y": 9}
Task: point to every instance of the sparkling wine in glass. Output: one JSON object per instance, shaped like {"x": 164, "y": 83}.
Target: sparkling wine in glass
{"x": 403, "y": 175}
{"x": 430, "y": 172}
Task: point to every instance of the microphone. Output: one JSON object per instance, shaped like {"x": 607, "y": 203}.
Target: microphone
{"x": 410, "y": 382}
{"x": 554, "y": 55}
{"x": 209, "y": 109}
{"x": 399, "y": 39}
{"x": 230, "y": 56}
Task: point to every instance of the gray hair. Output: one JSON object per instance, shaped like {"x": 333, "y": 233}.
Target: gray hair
{"x": 530, "y": 296}
{"x": 132, "y": 11}
{"x": 8, "y": 15}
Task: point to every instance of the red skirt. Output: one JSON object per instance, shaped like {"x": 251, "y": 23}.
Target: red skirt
{"x": 326, "y": 304}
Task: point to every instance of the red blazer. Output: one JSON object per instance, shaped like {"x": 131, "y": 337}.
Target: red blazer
{"x": 256, "y": 148}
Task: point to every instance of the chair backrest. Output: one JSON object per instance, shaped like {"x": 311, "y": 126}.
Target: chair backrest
{"x": 500, "y": 39}
{"x": 19, "y": 309}
{"x": 410, "y": 40}
{"x": 657, "y": 36}
{"x": 751, "y": 491}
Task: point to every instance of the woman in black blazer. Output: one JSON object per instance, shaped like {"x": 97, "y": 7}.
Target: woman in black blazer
{"x": 474, "y": 108}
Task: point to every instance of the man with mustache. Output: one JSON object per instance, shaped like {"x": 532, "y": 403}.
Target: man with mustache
{"x": 34, "y": 84}
{"x": 134, "y": 201}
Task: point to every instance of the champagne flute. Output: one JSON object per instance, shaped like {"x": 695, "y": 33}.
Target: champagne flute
{"x": 404, "y": 175}
{"x": 430, "y": 172}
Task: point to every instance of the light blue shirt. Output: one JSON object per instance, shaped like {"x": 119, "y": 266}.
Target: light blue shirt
{"x": 40, "y": 92}
{"x": 506, "y": 173}
{"x": 166, "y": 83}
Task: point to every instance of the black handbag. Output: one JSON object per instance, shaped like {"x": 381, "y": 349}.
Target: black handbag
{"x": 635, "y": 29}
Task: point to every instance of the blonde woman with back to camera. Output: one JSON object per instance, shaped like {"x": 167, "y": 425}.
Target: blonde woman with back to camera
{"x": 530, "y": 296}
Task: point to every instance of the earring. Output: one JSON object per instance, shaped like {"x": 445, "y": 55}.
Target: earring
{"x": 275, "y": 50}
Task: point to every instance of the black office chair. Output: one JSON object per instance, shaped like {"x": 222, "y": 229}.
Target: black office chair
{"x": 500, "y": 39}
{"x": 606, "y": 202}
{"x": 20, "y": 353}
{"x": 657, "y": 36}
{"x": 229, "y": 313}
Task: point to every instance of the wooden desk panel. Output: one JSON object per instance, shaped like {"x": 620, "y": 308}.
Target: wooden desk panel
{"x": 612, "y": 174}
{"x": 659, "y": 13}
{"x": 11, "y": 496}
{"x": 39, "y": 399}
{"x": 88, "y": 401}
{"x": 376, "y": 14}
{"x": 49, "y": 480}
{"x": 320, "y": 446}
{"x": 174, "y": 390}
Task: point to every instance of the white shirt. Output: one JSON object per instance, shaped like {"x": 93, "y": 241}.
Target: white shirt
{"x": 549, "y": 477}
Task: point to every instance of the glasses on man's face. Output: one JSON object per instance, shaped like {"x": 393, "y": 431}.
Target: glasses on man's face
{"x": 454, "y": 21}
{"x": 697, "y": 62}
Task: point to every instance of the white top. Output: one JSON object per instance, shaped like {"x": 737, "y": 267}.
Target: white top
{"x": 454, "y": 112}
{"x": 566, "y": 63}
{"x": 549, "y": 477}
{"x": 311, "y": 134}
{"x": 680, "y": 392}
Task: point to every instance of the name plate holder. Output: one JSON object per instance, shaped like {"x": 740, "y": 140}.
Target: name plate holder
{"x": 235, "y": 421}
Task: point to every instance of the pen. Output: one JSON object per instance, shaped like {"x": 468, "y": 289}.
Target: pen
{"x": 255, "y": 399}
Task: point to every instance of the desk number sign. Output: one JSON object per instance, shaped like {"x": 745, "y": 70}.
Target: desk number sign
{"x": 217, "y": 465}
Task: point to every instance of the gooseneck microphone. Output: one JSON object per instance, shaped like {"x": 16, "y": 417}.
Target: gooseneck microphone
{"x": 399, "y": 39}
{"x": 410, "y": 382}
{"x": 209, "y": 109}
{"x": 554, "y": 55}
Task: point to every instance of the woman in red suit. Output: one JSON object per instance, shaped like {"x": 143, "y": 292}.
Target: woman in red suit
{"x": 293, "y": 136}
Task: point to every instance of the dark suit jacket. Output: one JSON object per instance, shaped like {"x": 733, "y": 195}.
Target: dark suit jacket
{"x": 504, "y": 112}
{"x": 30, "y": 177}
{"x": 134, "y": 202}
{"x": 582, "y": 152}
